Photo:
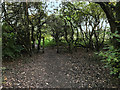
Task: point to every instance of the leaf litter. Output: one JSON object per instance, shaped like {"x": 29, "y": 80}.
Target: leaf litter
{"x": 52, "y": 70}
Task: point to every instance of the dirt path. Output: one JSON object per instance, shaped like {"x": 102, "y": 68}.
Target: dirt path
{"x": 51, "y": 70}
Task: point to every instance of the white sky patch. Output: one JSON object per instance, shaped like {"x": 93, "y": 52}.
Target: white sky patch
{"x": 52, "y": 5}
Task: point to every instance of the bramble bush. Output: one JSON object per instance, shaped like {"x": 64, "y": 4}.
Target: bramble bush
{"x": 111, "y": 57}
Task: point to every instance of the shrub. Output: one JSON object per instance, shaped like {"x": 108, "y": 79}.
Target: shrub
{"x": 10, "y": 48}
{"x": 111, "y": 57}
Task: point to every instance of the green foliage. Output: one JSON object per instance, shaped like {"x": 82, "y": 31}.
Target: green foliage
{"x": 12, "y": 51}
{"x": 49, "y": 42}
{"x": 10, "y": 48}
{"x": 111, "y": 57}
{"x": 21, "y": 26}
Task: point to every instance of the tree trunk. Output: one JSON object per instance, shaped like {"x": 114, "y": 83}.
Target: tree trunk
{"x": 43, "y": 44}
{"x": 32, "y": 38}
{"x": 39, "y": 41}
{"x": 57, "y": 42}
{"x": 28, "y": 41}
{"x": 118, "y": 23}
{"x": 112, "y": 19}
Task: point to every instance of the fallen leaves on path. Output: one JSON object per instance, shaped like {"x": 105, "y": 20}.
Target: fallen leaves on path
{"x": 52, "y": 70}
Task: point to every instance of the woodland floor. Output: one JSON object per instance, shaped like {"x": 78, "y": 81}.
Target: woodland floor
{"x": 52, "y": 70}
